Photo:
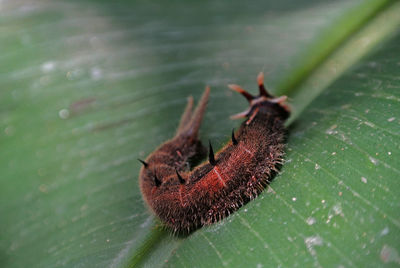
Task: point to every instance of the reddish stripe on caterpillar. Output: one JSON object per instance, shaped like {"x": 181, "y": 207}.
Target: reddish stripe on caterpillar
{"x": 186, "y": 199}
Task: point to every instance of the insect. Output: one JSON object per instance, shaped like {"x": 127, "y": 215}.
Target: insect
{"x": 187, "y": 199}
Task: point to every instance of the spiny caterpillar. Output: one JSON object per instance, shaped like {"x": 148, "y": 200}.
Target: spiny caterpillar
{"x": 187, "y": 199}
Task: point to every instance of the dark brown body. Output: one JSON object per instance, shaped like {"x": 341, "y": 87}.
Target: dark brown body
{"x": 185, "y": 200}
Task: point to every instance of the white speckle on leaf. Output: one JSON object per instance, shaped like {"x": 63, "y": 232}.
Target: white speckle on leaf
{"x": 389, "y": 254}
{"x": 389, "y": 153}
{"x": 364, "y": 180}
{"x": 63, "y": 114}
{"x": 48, "y": 66}
{"x": 373, "y": 160}
{"x": 311, "y": 242}
{"x": 96, "y": 73}
{"x": 317, "y": 166}
{"x": 335, "y": 211}
{"x": 311, "y": 220}
{"x": 385, "y": 231}
{"x": 294, "y": 199}
{"x": 391, "y": 119}
{"x": 369, "y": 124}
{"x": 331, "y": 130}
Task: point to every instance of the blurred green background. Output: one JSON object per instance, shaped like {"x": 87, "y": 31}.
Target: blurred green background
{"x": 87, "y": 87}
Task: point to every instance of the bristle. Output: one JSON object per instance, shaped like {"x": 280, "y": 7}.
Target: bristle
{"x": 211, "y": 157}
{"x": 144, "y": 163}
{"x": 157, "y": 180}
{"x": 234, "y": 141}
{"x": 181, "y": 180}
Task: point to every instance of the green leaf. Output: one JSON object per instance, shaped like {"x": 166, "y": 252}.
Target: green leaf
{"x": 89, "y": 86}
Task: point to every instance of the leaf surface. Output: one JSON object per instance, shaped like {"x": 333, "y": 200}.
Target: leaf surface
{"x": 87, "y": 87}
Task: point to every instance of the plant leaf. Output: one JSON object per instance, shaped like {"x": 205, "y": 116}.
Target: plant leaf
{"x": 90, "y": 86}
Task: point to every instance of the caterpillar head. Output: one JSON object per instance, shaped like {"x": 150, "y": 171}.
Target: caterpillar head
{"x": 263, "y": 103}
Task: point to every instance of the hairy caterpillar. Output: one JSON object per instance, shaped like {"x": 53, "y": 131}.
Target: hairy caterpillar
{"x": 187, "y": 199}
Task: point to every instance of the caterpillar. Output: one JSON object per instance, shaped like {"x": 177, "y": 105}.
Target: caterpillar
{"x": 186, "y": 199}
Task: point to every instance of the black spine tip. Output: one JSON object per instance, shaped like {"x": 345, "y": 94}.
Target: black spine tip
{"x": 144, "y": 163}
{"x": 157, "y": 180}
{"x": 181, "y": 180}
{"x": 211, "y": 157}
{"x": 234, "y": 140}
